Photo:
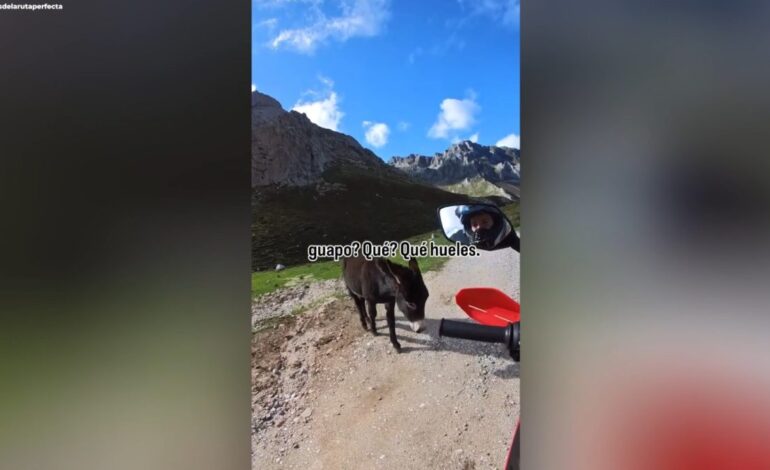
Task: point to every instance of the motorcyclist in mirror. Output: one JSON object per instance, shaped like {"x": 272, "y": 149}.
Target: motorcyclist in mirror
{"x": 485, "y": 227}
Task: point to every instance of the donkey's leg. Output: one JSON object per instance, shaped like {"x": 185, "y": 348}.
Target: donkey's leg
{"x": 391, "y": 316}
{"x": 361, "y": 311}
{"x": 372, "y": 307}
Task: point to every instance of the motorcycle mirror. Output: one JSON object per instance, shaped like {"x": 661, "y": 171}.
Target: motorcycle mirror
{"x": 482, "y": 225}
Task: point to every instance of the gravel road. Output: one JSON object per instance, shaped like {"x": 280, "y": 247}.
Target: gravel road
{"x": 329, "y": 395}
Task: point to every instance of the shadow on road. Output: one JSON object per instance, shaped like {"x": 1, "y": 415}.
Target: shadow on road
{"x": 429, "y": 340}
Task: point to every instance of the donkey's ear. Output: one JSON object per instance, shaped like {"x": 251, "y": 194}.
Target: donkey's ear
{"x": 380, "y": 264}
{"x": 413, "y": 265}
{"x": 384, "y": 267}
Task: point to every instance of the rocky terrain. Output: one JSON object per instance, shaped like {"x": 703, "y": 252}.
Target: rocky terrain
{"x": 290, "y": 299}
{"x": 328, "y": 395}
{"x": 288, "y": 149}
{"x": 465, "y": 162}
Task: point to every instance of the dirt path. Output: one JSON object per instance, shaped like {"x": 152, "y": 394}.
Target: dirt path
{"x": 330, "y": 396}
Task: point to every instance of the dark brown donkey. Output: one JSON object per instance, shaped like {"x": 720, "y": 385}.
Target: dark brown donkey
{"x": 382, "y": 282}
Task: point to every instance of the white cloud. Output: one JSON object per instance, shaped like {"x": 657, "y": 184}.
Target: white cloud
{"x": 302, "y": 40}
{"x": 504, "y": 11}
{"x": 324, "y": 112}
{"x": 328, "y": 82}
{"x": 376, "y": 133}
{"x": 445, "y": 46}
{"x": 360, "y": 18}
{"x": 414, "y": 54}
{"x": 511, "y": 140}
{"x": 474, "y": 138}
{"x": 323, "y": 108}
{"x": 455, "y": 115}
{"x": 268, "y": 24}
{"x": 253, "y": 88}
{"x": 403, "y": 126}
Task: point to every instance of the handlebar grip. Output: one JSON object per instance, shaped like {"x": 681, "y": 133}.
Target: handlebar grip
{"x": 473, "y": 331}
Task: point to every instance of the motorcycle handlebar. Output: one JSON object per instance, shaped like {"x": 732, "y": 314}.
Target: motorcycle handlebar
{"x": 473, "y": 331}
{"x": 508, "y": 335}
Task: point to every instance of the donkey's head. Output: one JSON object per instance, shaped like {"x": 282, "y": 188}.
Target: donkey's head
{"x": 411, "y": 293}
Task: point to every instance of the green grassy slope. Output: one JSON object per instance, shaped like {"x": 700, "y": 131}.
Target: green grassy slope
{"x": 361, "y": 205}
{"x": 476, "y": 187}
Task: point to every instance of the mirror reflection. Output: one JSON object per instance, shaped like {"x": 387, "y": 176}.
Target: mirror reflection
{"x": 481, "y": 225}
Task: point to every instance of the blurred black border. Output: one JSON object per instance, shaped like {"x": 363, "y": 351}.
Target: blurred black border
{"x": 125, "y": 135}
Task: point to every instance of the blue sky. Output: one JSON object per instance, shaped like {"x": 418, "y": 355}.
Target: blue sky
{"x": 399, "y": 76}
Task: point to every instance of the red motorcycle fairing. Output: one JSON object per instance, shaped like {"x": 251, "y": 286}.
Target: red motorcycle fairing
{"x": 488, "y": 306}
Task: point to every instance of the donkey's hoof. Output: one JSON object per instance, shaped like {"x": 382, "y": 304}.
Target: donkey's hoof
{"x": 397, "y": 347}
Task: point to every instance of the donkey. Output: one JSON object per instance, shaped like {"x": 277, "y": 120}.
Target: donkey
{"x": 380, "y": 281}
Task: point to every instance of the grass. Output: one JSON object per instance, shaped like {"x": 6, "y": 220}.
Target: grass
{"x": 360, "y": 205}
{"x": 263, "y": 282}
{"x": 475, "y": 187}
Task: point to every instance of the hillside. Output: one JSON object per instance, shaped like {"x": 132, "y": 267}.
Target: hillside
{"x": 476, "y": 187}
{"x": 315, "y": 186}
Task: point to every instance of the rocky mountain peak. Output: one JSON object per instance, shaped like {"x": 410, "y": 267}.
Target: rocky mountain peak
{"x": 261, "y": 100}
{"x": 465, "y": 146}
{"x": 463, "y": 161}
{"x": 264, "y": 108}
{"x": 288, "y": 149}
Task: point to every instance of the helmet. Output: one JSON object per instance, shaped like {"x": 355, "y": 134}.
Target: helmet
{"x": 464, "y": 213}
{"x": 484, "y": 238}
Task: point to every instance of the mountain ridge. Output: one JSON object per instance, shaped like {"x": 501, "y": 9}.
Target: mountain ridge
{"x": 465, "y": 161}
{"x": 287, "y": 148}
